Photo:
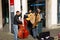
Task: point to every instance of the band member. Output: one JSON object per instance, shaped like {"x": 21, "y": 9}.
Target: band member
{"x": 17, "y": 20}
{"x": 40, "y": 22}
{"x": 29, "y": 26}
{"x": 35, "y": 19}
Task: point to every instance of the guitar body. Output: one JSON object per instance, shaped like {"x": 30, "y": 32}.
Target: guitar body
{"x": 23, "y": 32}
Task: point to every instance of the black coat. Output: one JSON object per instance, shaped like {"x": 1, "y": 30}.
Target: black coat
{"x": 16, "y": 19}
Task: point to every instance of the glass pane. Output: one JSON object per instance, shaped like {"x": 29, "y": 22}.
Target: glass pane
{"x": 58, "y": 11}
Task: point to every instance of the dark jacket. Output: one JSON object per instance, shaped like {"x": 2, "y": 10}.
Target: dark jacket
{"x": 16, "y": 19}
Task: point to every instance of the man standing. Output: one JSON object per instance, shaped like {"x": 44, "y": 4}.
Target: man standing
{"x": 35, "y": 19}
{"x": 29, "y": 22}
{"x": 40, "y": 23}
{"x": 17, "y": 20}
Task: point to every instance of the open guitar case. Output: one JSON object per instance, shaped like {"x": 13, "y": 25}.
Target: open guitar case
{"x": 43, "y": 35}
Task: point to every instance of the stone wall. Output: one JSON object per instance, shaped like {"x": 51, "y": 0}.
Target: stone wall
{"x": 0, "y": 15}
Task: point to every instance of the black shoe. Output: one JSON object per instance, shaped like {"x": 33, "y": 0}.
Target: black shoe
{"x": 37, "y": 37}
{"x": 34, "y": 37}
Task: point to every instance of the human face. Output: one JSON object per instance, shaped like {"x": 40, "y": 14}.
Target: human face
{"x": 18, "y": 13}
{"x": 38, "y": 10}
{"x": 30, "y": 11}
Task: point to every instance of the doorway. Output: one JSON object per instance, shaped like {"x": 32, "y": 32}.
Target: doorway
{"x": 58, "y": 12}
{"x": 5, "y": 15}
{"x": 34, "y": 4}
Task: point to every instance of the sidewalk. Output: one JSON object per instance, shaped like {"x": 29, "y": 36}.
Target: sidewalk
{"x": 8, "y": 36}
{"x": 5, "y": 35}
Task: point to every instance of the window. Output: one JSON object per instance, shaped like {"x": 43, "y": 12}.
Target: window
{"x": 58, "y": 11}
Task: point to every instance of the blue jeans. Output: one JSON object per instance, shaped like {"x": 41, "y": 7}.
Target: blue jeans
{"x": 40, "y": 27}
{"x": 35, "y": 32}
{"x": 15, "y": 29}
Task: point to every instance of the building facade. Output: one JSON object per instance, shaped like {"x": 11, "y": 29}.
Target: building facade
{"x": 51, "y": 12}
